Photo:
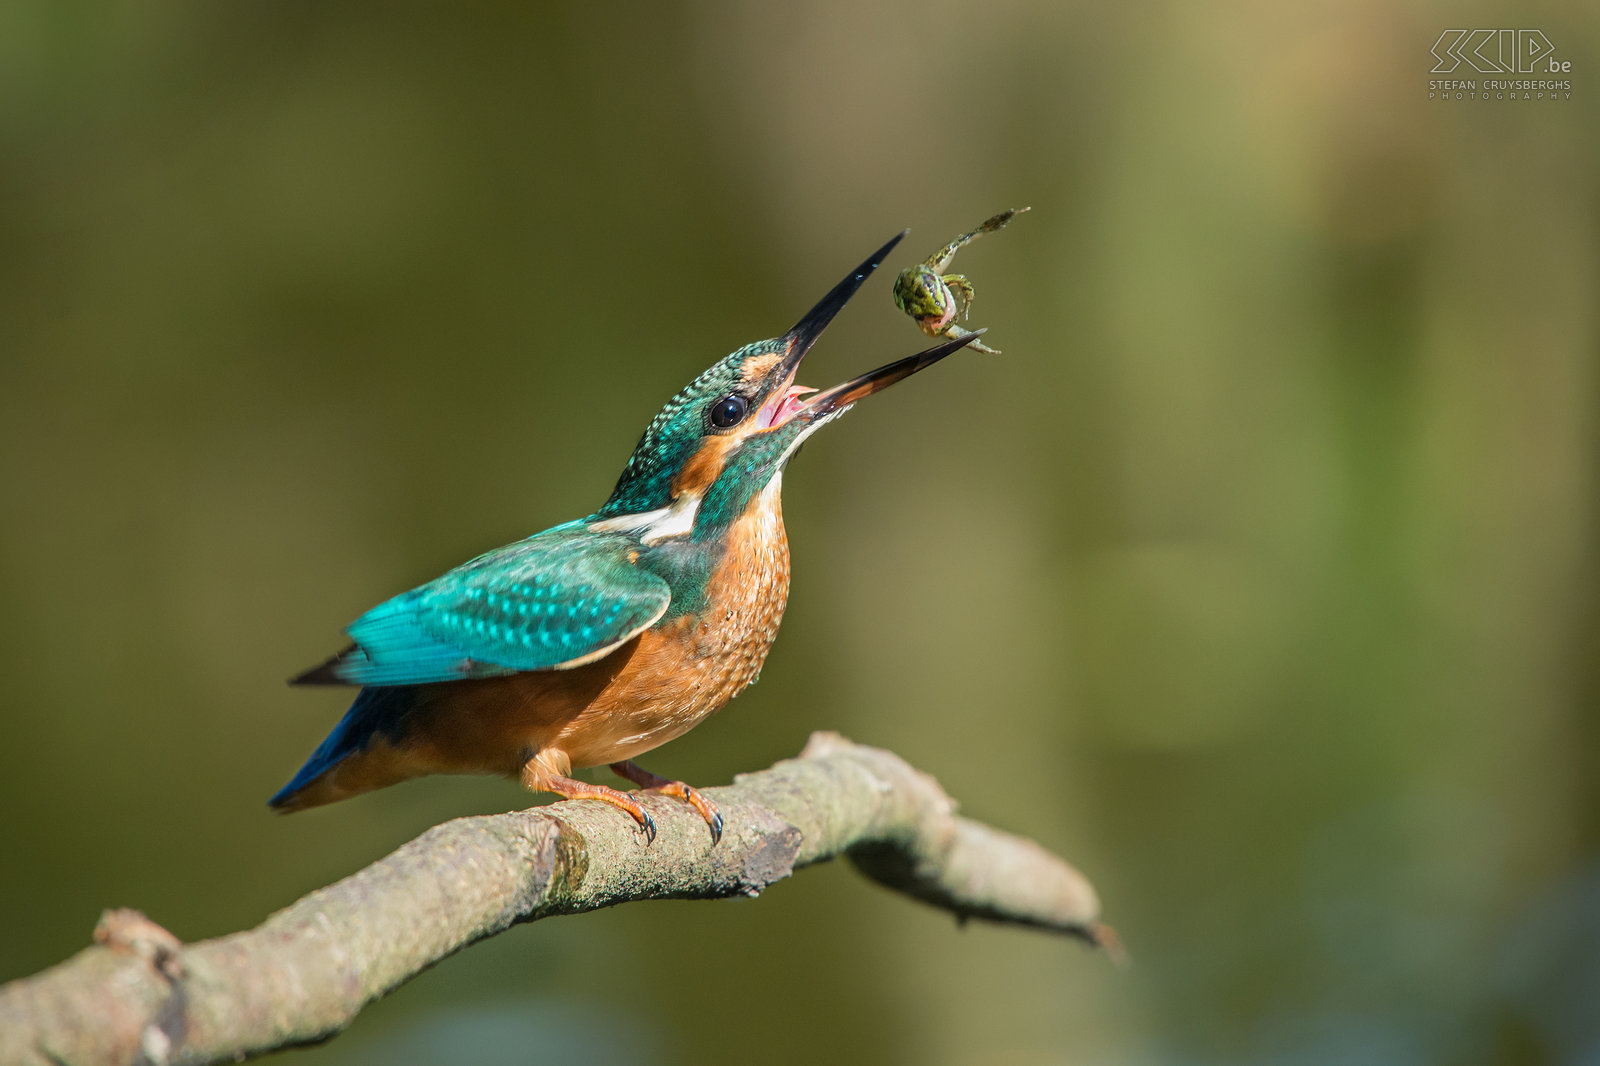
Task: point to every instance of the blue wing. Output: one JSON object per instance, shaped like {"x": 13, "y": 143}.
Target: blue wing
{"x": 559, "y": 599}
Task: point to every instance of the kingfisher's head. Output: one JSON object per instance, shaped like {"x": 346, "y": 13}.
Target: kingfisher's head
{"x": 727, "y": 434}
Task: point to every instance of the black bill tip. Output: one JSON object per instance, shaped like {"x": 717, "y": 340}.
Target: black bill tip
{"x": 808, "y": 329}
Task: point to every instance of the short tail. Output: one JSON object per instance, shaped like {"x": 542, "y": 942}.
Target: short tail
{"x": 356, "y": 757}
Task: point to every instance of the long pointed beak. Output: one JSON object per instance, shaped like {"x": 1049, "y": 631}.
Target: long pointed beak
{"x": 847, "y": 393}
{"x": 806, "y": 331}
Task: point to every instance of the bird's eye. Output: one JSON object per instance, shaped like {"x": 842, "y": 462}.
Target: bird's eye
{"x": 728, "y": 411}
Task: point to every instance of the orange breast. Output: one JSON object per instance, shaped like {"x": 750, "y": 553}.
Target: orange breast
{"x": 656, "y": 687}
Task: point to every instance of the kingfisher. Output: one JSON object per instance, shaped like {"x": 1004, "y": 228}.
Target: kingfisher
{"x": 600, "y": 639}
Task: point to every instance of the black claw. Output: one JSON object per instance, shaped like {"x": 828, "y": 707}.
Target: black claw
{"x": 716, "y": 827}
{"x": 649, "y": 827}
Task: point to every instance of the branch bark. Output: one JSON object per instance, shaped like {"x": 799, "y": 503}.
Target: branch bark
{"x": 140, "y": 996}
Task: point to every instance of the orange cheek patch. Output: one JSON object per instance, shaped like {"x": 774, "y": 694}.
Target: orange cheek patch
{"x": 704, "y": 466}
{"x": 757, "y": 366}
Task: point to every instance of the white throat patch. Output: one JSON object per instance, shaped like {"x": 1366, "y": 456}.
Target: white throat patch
{"x": 677, "y": 519}
{"x": 674, "y": 520}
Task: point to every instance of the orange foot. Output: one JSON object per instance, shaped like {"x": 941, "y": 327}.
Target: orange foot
{"x": 677, "y": 789}
{"x": 567, "y": 788}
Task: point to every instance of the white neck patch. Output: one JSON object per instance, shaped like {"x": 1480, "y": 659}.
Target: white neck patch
{"x": 674, "y": 520}
{"x": 677, "y": 518}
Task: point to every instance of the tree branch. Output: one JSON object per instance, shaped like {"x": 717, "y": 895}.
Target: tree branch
{"x": 140, "y": 996}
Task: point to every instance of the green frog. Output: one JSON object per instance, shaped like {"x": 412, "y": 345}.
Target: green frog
{"x": 935, "y": 299}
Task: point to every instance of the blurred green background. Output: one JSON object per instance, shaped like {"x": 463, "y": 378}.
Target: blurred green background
{"x": 1257, "y": 577}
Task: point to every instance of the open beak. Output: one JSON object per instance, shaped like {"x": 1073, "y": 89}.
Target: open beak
{"x": 788, "y": 400}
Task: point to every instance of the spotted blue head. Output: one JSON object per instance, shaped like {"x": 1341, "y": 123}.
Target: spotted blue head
{"x": 727, "y": 434}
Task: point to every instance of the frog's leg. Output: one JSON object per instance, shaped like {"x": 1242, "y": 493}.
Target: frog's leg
{"x": 939, "y": 261}
{"x": 962, "y": 292}
{"x": 955, "y": 332}
{"x": 999, "y": 221}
